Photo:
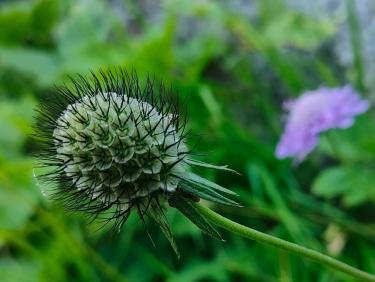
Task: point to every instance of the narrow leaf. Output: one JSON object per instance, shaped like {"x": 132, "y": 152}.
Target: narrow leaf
{"x": 186, "y": 207}
{"x": 204, "y": 183}
{"x": 207, "y": 165}
{"x": 157, "y": 214}
{"x": 207, "y": 194}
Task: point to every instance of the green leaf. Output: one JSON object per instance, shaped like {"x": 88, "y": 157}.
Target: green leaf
{"x": 353, "y": 184}
{"x": 207, "y": 194}
{"x": 44, "y": 16}
{"x": 195, "y": 179}
{"x": 20, "y": 270}
{"x": 157, "y": 214}
{"x": 15, "y": 23}
{"x": 330, "y": 183}
{"x": 297, "y": 30}
{"x": 25, "y": 59}
{"x": 207, "y": 165}
{"x": 186, "y": 207}
{"x": 203, "y": 188}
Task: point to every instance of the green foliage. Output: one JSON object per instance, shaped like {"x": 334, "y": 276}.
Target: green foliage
{"x": 345, "y": 182}
{"x": 233, "y": 71}
{"x": 186, "y": 207}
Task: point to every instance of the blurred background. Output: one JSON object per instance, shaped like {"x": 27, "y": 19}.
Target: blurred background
{"x": 234, "y": 62}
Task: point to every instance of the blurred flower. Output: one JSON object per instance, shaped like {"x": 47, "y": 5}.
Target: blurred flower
{"x": 315, "y": 112}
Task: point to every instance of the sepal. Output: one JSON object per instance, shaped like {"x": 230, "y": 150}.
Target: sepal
{"x": 187, "y": 208}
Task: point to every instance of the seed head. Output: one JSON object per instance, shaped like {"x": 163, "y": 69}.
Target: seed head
{"x": 118, "y": 149}
{"x": 112, "y": 145}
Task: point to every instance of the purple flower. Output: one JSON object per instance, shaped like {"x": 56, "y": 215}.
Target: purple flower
{"x": 315, "y": 112}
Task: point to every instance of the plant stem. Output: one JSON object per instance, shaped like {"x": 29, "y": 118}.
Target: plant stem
{"x": 260, "y": 237}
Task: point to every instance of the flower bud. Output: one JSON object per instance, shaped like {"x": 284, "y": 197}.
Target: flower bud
{"x": 111, "y": 146}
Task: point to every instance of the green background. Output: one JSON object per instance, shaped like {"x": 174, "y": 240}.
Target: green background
{"x": 234, "y": 63}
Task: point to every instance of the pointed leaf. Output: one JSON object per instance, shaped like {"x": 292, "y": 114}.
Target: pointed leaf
{"x": 157, "y": 214}
{"x": 185, "y": 206}
{"x": 206, "y": 193}
{"x": 207, "y": 165}
{"x": 195, "y": 179}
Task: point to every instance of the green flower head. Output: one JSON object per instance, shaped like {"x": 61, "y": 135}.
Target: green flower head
{"x": 113, "y": 145}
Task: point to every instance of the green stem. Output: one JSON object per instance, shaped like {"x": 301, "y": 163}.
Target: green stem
{"x": 260, "y": 237}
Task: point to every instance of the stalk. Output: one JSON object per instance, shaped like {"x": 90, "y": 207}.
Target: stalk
{"x": 266, "y": 239}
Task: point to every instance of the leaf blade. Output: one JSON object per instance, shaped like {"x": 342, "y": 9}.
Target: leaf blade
{"x": 186, "y": 207}
{"x": 207, "y": 194}
{"x": 212, "y": 166}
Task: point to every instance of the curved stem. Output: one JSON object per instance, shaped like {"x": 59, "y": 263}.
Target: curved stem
{"x": 260, "y": 237}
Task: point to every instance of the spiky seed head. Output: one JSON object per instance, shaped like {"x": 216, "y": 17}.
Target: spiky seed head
{"x": 112, "y": 144}
{"x": 118, "y": 148}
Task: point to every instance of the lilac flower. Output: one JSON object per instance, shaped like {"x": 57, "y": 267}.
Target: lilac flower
{"x": 315, "y": 112}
